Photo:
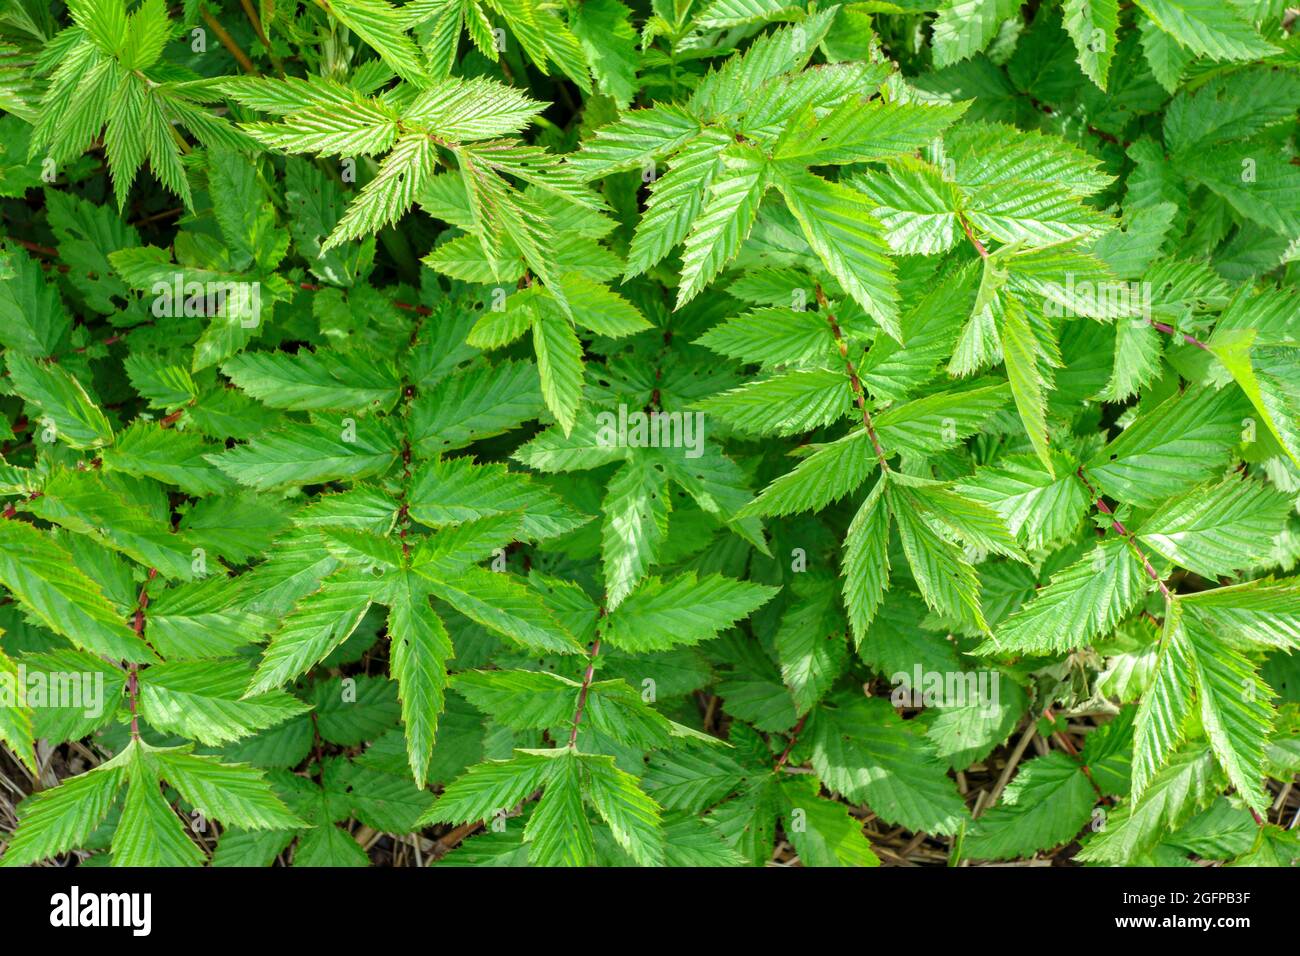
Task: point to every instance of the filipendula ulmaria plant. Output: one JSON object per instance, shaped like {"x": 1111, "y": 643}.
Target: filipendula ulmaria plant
{"x": 656, "y": 433}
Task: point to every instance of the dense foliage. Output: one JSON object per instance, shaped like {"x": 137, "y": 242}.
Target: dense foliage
{"x": 684, "y": 432}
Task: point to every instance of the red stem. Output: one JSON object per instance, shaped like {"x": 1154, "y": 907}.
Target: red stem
{"x": 582, "y": 694}
{"x": 979, "y": 246}
{"x": 794, "y": 738}
{"x": 132, "y": 671}
{"x": 1126, "y": 534}
{"x": 859, "y": 394}
{"x": 1170, "y": 330}
{"x": 133, "y": 689}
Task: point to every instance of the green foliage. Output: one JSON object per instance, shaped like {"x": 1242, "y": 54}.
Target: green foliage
{"x": 637, "y": 432}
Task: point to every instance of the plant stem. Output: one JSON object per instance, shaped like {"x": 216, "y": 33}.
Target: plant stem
{"x": 970, "y": 234}
{"x": 132, "y": 671}
{"x": 582, "y": 694}
{"x": 1016, "y": 753}
{"x": 859, "y": 394}
{"x": 229, "y": 43}
{"x": 794, "y": 738}
{"x": 1127, "y": 535}
{"x": 1170, "y": 330}
{"x": 133, "y": 689}
{"x": 256, "y": 21}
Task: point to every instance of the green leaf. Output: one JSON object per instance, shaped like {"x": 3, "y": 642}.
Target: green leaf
{"x": 1236, "y": 713}
{"x": 419, "y": 648}
{"x": 329, "y": 846}
{"x": 636, "y": 508}
{"x": 1039, "y": 509}
{"x": 632, "y": 816}
{"x": 1186, "y": 784}
{"x": 828, "y": 474}
{"x": 728, "y": 215}
{"x": 772, "y": 336}
{"x": 454, "y": 490}
{"x": 838, "y": 223}
{"x": 16, "y": 717}
{"x": 1207, "y": 28}
{"x": 1267, "y": 376}
{"x": 1180, "y": 443}
{"x": 859, "y": 131}
{"x": 469, "y": 109}
{"x": 596, "y": 308}
{"x": 313, "y": 381}
{"x": 638, "y": 137}
{"x": 965, "y": 27}
{"x": 44, "y": 578}
{"x": 810, "y": 644}
{"x": 676, "y": 199}
{"x": 1218, "y": 530}
{"x": 608, "y": 39}
{"x": 786, "y": 404}
{"x": 54, "y": 821}
{"x": 311, "y": 453}
{"x": 990, "y": 307}
{"x": 1137, "y": 360}
{"x": 388, "y": 802}
{"x": 691, "y": 780}
{"x": 323, "y": 620}
{"x": 1046, "y": 804}
{"x": 977, "y": 715}
{"x": 1233, "y": 703}
{"x": 167, "y": 455}
{"x": 558, "y": 832}
{"x": 1083, "y": 602}
{"x": 1257, "y": 612}
{"x": 1024, "y": 360}
{"x": 87, "y": 503}
{"x": 682, "y": 610}
{"x": 522, "y": 700}
{"x": 380, "y": 25}
{"x": 68, "y": 413}
{"x": 866, "y": 561}
{"x": 384, "y": 199}
{"x": 947, "y": 581}
{"x": 232, "y": 794}
{"x": 203, "y": 619}
{"x": 502, "y": 604}
{"x": 823, "y": 832}
{"x": 202, "y": 701}
{"x": 324, "y": 117}
{"x": 491, "y": 787}
{"x": 559, "y": 363}
{"x": 1093, "y": 25}
{"x": 482, "y": 401}
{"x": 916, "y": 206}
{"x": 36, "y": 324}
{"x": 970, "y": 521}
{"x": 149, "y": 832}
{"x": 863, "y": 750}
